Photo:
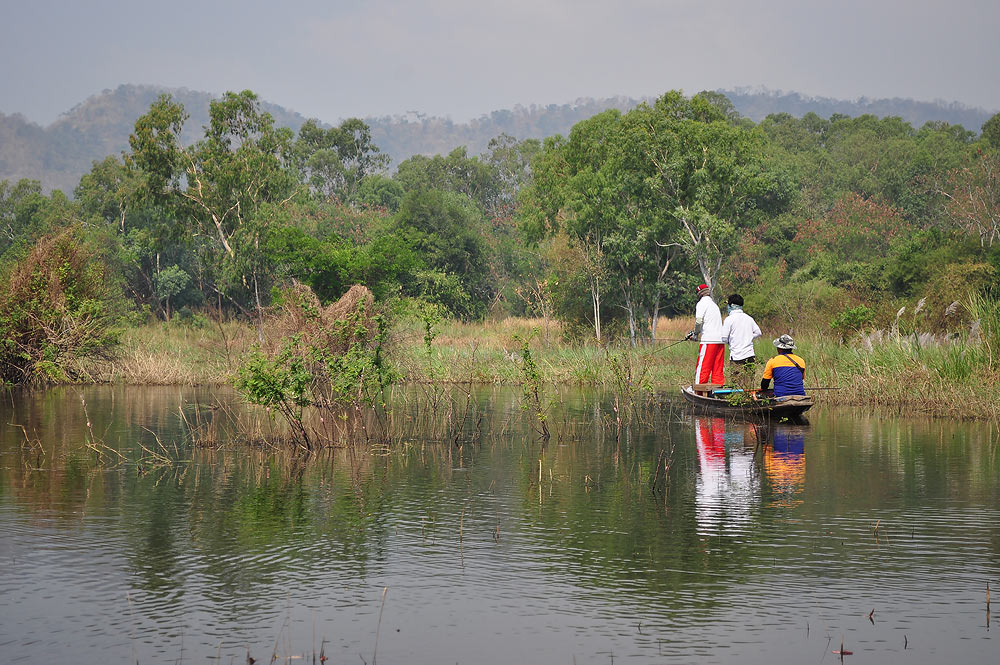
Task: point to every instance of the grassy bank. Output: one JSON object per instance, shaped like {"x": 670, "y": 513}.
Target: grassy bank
{"x": 906, "y": 374}
{"x": 179, "y": 354}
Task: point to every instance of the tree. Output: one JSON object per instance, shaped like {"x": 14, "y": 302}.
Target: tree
{"x": 456, "y": 172}
{"x": 336, "y": 161}
{"x": 380, "y": 192}
{"x": 510, "y": 162}
{"x": 991, "y": 132}
{"x": 574, "y": 189}
{"x": 447, "y": 233}
{"x": 704, "y": 172}
{"x": 170, "y": 281}
{"x": 231, "y": 185}
{"x": 972, "y": 196}
{"x": 105, "y": 191}
{"x": 26, "y": 214}
{"x": 632, "y": 191}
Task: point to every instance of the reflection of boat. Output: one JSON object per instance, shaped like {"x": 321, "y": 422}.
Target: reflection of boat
{"x": 713, "y": 399}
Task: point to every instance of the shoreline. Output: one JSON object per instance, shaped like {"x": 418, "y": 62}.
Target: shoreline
{"x": 896, "y": 376}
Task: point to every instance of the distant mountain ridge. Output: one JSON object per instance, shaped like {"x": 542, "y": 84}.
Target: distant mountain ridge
{"x": 758, "y": 103}
{"x": 99, "y": 126}
{"x": 57, "y": 155}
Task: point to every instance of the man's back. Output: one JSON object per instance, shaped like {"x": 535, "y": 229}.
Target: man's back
{"x": 708, "y": 312}
{"x": 788, "y": 371}
{"x": 739, "y": 331}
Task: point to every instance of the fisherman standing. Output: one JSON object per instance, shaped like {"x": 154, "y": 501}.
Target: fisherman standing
{"x": 708, "y": 330}
{"x": 739, "y": 330}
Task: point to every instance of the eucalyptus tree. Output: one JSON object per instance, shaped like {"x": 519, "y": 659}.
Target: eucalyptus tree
{"x": 704, "y": 172}
{"x": 510, "y": 162}
{"x": 335, "y": 161}
{"x": 574, "y": 190}
{"x": 683, "y": 176}
{"x": 229, "y": 187}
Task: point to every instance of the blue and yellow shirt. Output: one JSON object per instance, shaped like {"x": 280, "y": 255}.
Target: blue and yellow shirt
{"x": 788, "y": 379}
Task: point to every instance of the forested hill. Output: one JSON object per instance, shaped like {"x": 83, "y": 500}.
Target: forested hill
{"x": 758, "y": 104}
{"x": 59, "y": 154}
{"x": 405, "y": 136}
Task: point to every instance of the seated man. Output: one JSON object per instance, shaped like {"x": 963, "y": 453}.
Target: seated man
{"x": 787, "y": 369}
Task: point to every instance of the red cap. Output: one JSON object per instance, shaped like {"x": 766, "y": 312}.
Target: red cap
{"x": 702, "y": 287}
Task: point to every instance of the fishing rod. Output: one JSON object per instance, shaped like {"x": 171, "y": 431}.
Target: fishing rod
{"x": 667, "y": 346}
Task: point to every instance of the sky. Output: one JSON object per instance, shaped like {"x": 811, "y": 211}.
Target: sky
{"x": 335, "y": 59}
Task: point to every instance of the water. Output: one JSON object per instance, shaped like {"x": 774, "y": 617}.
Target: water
{"x": 762, "y": 546}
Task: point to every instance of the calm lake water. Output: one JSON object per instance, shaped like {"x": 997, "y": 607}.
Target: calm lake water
{"x": 759, "y": 546}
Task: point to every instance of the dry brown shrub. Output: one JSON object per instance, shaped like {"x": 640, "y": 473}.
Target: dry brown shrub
{"x": 58, "y": 310}
{"x": 301, "y": 313}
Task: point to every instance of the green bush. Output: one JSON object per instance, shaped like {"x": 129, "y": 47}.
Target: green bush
{"x": 784, "y": 304}
{"x": 852, "y": 320}
{"x": 329, "y": 359}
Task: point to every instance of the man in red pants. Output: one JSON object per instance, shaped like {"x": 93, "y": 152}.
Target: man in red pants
{"x": 708, "y": 330}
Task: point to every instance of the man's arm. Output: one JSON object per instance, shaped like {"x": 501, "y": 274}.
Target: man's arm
{"x": 765, "y": 382}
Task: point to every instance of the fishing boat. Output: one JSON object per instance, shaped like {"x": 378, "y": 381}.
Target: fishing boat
{"x": 713, "y": 398}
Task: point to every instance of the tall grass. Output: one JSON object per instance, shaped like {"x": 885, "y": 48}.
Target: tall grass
{"x": 986, "y": 325}
{"x": 179, "y": 353}
{"x": 906, "y": 373}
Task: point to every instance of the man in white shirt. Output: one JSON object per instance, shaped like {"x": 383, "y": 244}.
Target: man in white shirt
{"x": 739, "y": 331}
{"x": 708, "y": 330}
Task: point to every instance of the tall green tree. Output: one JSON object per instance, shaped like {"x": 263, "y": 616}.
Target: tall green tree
{"x": 705, "y": 172}
{"x": 26, "y": 214}
{"x": 448, "y": 234}
{"x": 335, "y": 161}
{"x": 230, "y": 186}
{"x": 574, "y": 189}
{"x": 455, "y": 172}
{"x": 682, "y": 177}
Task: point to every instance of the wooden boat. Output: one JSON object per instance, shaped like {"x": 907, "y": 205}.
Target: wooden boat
{"x": 708, "y": 397}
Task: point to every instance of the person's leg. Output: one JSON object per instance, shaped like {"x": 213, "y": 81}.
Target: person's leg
{"x": 718, "y": 363}
{"x": 743, "y": 372}
{"x": 702, "y": 368}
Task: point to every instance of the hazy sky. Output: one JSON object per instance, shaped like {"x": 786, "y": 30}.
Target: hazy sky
{"x": 460, "y": 58}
